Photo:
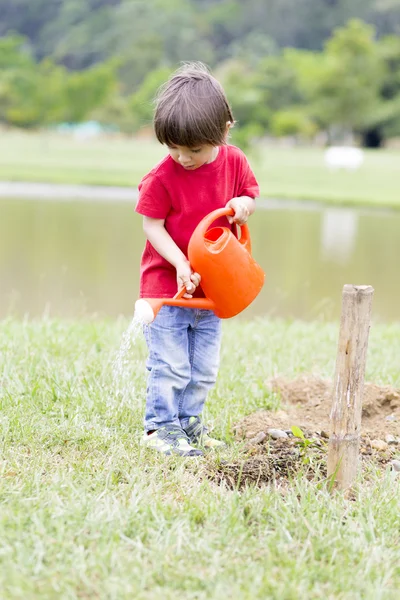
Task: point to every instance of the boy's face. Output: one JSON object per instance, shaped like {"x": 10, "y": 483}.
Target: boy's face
{"x": 193, "y": 158}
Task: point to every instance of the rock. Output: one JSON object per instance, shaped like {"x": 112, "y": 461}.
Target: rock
{"x": 258, "y": 439}
{"x": 379, "y": 445}
{"x": 325, "y": 434}
{"x": 276, "y": 434}
{"x": 395, "y": 464}
{"x": 391, "y": 417}
{"x": 390, "y": 439}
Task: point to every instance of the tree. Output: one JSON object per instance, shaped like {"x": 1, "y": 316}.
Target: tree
{"x": 244, "y": 93}
{"x": 387, "y": 122}
{"x": 87, "y": 90}
{"x": 343, "y": 83}
{"x": 18, "y": 83}
{"x": 142, "y": 102}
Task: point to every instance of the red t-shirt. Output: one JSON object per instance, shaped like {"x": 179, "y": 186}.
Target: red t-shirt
{"x": 182, "y": 198}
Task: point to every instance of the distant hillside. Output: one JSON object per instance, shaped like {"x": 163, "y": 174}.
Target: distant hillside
{"x": 80, "y": 33}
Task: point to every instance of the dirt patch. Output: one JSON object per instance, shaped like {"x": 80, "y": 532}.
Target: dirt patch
{"x": 272, "y": 461}
{"x": 306, "y": 403}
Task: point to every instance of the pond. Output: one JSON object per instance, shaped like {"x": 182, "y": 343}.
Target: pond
{"x": 77, "y": 258}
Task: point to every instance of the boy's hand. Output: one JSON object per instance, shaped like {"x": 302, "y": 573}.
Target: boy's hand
{"x": 186, "y": 278}
{"x": 241, "y": 209}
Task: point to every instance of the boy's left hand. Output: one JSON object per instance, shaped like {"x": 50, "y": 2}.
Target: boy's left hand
{"x": 242, "y": 213}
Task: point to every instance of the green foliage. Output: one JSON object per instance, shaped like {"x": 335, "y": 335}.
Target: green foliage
{"x": 105, "y": 58}
{"x": 242, "y": 87}
{"x": 14, "y": 53}
{"x": 279, "y": 81}
{"x": 23, "y": 105}
{"x": 388, "y": 115}
{"x": 141, "y": 103}
{"x": 292, "y": 122}
{"x": 25, "y": 97}
{"x": 40, "y": 93}
{"x": 303, "y": 442}
{"x": 116, "y": 112}
{"x": 86, "y": 90}
{"x": 244, "y": 136}
{"x": 347, "y": 92}
{"x": 80, "y": 33}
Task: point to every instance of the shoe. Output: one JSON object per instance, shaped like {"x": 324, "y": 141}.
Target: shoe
{"x": 170, "y": 439}
{"x": 198, "y": 434}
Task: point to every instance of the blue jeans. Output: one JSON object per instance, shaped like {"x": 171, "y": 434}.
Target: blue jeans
{"x": 183, "y": 363}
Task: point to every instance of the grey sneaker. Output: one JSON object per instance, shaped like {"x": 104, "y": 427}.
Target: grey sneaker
{"x": 170, "y": 439}
{"x": 198, "y": 434}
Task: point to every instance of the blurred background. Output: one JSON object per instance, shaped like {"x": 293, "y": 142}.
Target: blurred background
{"x": 315, "y": 91}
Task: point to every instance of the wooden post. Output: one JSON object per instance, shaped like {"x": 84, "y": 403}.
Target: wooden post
{"x": 348, "y": 388}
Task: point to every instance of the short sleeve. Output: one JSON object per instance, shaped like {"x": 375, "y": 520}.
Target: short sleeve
{"x": 154, "y": 200}
{"x": 248, "y": 183}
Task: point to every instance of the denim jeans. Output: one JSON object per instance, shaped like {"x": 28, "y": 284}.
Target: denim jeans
{"x": 184, "y": 345}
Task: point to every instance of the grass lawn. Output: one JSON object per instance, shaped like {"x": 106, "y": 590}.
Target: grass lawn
{"x": 282, "y": 172}
{"x": 87, "y": 513}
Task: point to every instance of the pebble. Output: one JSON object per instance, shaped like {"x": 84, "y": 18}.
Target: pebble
{"x": 276, "y": 434}
{"x": 395, "y": 465}
{"x": 258, "y": 439}
{"x": 325, "y": 434}
{"x": 366, "y": 451}
{"x": 390, "y": 439}
{"x": 391, "y": 417}
{"x": 379, "y": 445}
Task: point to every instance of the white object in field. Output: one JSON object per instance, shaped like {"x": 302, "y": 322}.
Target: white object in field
{"x": 143, "y": 311}
{"x": 344, "y": 157}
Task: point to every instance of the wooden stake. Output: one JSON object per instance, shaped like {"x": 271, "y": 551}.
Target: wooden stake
{"x": 344, "y": 441}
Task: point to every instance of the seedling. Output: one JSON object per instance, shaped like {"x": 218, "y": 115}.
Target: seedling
{"x": 302, "y": 442}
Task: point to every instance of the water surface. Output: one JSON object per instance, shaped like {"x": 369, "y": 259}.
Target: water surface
{"x": 82, "y": 257}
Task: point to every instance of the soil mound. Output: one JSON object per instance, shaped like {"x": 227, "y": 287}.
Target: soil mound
{"x": 306, "y": 402}
{"x": 275, "y": 454}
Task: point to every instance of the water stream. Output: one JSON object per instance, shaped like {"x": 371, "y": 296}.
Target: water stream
{"x": 123, "y": 366}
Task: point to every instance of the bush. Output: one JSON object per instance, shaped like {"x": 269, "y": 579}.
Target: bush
{"x": 292, "y": 122}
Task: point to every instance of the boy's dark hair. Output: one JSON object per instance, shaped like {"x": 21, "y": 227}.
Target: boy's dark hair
{"x": 192, "y": 109}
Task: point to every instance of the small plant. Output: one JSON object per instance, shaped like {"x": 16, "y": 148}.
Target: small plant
{"x": 302, "y": 442}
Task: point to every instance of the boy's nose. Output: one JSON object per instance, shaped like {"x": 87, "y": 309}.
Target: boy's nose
{"x": 184, "y": 160}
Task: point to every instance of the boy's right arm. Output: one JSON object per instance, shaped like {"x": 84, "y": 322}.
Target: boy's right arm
{"x": 160, "y": 239}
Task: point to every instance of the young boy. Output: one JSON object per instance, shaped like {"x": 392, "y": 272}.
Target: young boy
{"x": 200, "y": 174}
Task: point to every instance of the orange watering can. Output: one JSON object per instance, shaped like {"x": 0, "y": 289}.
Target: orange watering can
{"x": 230, "y": 277}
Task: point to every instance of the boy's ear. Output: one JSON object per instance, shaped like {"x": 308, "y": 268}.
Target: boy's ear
{"x": 228, "y": 126}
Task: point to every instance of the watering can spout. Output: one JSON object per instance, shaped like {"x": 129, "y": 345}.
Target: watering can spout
{"x": 146, "y": 309}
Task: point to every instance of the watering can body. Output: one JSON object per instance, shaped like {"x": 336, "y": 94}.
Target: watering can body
{"x": 230, "y": 277}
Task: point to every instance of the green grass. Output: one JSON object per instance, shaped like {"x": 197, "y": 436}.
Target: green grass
{"x": 297, "y": 173}
{"x": 86, "y": 513}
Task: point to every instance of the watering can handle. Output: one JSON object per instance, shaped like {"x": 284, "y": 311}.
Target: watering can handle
{"x": 224, "y": 212}
{"x": 181, "y": 292}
